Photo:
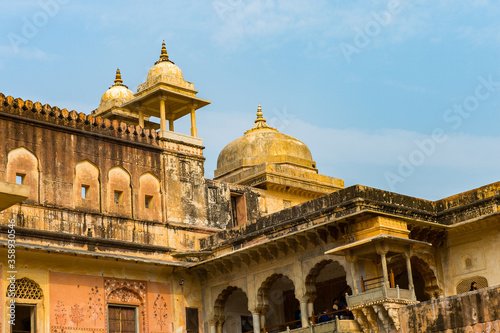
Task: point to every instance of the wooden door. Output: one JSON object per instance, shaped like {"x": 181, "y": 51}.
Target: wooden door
{"x": 122, "y": 319}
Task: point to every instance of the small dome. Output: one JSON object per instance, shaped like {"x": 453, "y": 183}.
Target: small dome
{"x": 164, "y": 66}
{"x": 263, "y": 144}
{"x": 117, "y": 91}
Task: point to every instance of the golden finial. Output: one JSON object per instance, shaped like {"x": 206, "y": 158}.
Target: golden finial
{"x": 260, "y": 122}
{"x": 259, "y": 113}
{"x": 164, "y": 55}
{"x": 118, "y": 78}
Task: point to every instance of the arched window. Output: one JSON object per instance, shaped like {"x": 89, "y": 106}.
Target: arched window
{"x": 27, "y": 289}
{"x": 465, "y": 284}
{"x": 119, "y": 196}
{"x": 87, "y": 189}
{"x": 23, "y": 168}
{"x": 149, "y": 207}
{"x": 29, "y": 309}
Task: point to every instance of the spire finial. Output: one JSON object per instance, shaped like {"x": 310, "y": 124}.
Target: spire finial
{"x": 260, "y": 122}
{"x": 163, "y": 50}
{"x": 259, "y": 113}
{"x": 118, "y": 78}
{"x": 163, "y": 55}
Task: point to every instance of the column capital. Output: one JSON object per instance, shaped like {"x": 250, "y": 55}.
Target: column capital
{"x": 408, "y": 255}
{"x": 351, "y": 258}
{"x": 304, "y": 299}
{"x": 162, "y": 98}
{"x": 382, "y": 249}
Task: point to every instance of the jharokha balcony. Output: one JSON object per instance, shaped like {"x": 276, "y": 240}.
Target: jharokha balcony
{"x": 371, "y": 245}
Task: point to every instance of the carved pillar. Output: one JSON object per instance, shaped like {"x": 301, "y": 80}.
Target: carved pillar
{"x": 171, "y": 124}
{"x": 304, "y": 313}
{"x": 163, "y": 116}
{"x": 193, "y": 121}
{"x": 141, "y": 116}
{"x": 256, "y": 321}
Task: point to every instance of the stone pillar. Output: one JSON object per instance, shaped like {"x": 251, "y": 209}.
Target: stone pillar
{"x": 163, "y": 116}
{"x": 171, "y": 124}
{"x": 262, "y": 320}
{"x": 220, "y": 322}
{"x": 304, "y": 313}
{"x": 194, "y": 132}
{"x": 410, "y": 276}
{"x": 141, "y": 117}
{"x": 213, "y": 326}
{"x": 310, "y": 308}
{"x": 384, "y": 269}
{"x": 353, "y": 261}
{"x": 256, "y": 322}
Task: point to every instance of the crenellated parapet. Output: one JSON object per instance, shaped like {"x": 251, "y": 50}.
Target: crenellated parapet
{"x": 79, "y": 121}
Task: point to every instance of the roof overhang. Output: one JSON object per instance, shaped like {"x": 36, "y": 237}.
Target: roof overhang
{"x": 177, "y": 104}
{"x": 368, "y": 247}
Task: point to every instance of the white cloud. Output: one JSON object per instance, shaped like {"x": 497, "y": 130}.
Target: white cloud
{"x": 276, "y": 21}
{"x": 360, "y": 156}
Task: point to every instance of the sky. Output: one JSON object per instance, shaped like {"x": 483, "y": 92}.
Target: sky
{"x": 401, "y": 95}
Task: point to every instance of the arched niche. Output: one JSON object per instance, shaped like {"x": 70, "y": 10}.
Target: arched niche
{"x": 23, "y": 168}
{"x": 119, "y": 192}
{"x": 87, "y": 189}
{"x": 149, "y": 206}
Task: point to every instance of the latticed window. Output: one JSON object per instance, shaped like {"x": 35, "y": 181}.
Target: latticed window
{"x": 28, "y": 289}
{"x": 464, "y": 285}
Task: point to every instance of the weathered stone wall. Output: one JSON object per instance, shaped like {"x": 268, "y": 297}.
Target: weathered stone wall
{"x": 58, "y": 141}
{"x": 467, "y": 255}
{"x": 477, "y": 311}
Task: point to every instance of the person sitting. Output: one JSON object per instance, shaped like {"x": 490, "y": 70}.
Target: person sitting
{"x": 324, "y": 318}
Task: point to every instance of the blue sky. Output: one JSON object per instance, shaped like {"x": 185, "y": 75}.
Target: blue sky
{"x": 399, "y": 95}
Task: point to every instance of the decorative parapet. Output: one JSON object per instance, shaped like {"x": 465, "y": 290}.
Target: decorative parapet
{"x": 380, "y": 295}
{"x": 80, "y": 121}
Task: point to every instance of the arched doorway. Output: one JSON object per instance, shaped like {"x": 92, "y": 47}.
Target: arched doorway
{"x": 231, "y": 310}
{"x": 325, "y": 282}
{"x": 278, "y": 302}
{"x": 424, "y": 279}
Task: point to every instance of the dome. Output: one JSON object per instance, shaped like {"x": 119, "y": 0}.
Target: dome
{"x": 262, "y": 144}
{"x": 164, "y": 66}
{"x": 117, "y": 91}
